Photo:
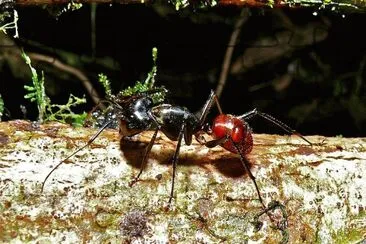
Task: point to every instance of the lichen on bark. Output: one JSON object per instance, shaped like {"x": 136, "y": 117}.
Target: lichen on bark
{"x": 322, "y": 188}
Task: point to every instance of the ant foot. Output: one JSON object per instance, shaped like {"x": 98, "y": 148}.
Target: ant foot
{"x": 167, "y": 207}
{"x": 280, "y": 218}
{"x": 133, "y": 182}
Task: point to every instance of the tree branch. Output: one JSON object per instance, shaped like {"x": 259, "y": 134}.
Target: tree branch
{"x": 88, "y": 199}
{"x": 339, "y": 5}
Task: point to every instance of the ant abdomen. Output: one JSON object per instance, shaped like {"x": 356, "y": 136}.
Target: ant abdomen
{"x": 226, "y": 125}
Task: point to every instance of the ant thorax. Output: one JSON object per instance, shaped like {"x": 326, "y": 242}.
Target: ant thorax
{"x": 171, "y": 118}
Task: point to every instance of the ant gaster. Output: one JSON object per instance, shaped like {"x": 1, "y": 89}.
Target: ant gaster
{"x": 138, "y": 113}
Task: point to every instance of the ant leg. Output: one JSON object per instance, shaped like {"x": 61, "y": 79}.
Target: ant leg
{"x": 175, "y": 157}
{"x": 282, "y": 225}
{"x": 81, "y": 148}
{"x": 243, "y": 160}
{"x": 147, "y": 151}
{"x": 273, "y": 120}
{"x": 206, "y": 108}
{"x": 215, "y": 142}
{"x": 245, "y": 164}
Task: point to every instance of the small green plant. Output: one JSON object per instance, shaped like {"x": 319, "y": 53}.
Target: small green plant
{"x": 57, "y": 112}
{"x": 36, "y": 92}
{"x": 148, "y": 84}
{"x": 139, "y": 86}
{"x": 103, "y": 79}
{"x": 11, "y": 25}
{"x": 46, "y": 110}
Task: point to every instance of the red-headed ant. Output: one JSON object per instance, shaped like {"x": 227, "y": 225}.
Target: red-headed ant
{"x": 138, "y": 113}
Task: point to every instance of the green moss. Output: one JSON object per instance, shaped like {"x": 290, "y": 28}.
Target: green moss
{"x": 200, "y": 4}
{"x": 103, "y": 79}
{"x": 46, "y": 110}
{"x": 140, "y": 87}
{"x": 63, "y": 113}
{"x": 348, "y": 236}
{"x": 148, "y": 84}
{"x": 12, "y": 25}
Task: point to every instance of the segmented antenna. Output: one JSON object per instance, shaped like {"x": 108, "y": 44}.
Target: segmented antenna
{"x": 81, "y": 148}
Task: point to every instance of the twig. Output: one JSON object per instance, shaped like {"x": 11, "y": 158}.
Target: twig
{"x": 244, "y": 15}
{"x": 67, "y": 68}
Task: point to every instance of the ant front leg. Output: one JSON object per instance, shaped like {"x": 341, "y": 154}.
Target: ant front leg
{"x": 274, "y": 121}
{"x": 144, "y": 159}
{"x": 243, "y": 160}
{"x": 282, "y": 225}
{"x": 245, "y": 164}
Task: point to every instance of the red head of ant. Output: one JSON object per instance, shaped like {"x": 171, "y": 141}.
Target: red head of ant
{"x": 226, "y": 125}
{"x": 234, "y": 134}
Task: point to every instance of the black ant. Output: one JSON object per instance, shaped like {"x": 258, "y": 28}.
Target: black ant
{"x": 138, "y": 113}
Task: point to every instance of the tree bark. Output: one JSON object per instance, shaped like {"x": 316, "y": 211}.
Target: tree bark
{"x": 322, "y": 189}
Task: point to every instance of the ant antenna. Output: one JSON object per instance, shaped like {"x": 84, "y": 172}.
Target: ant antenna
{"x": 81, "y": 148}
{"x": 273, "y": 120}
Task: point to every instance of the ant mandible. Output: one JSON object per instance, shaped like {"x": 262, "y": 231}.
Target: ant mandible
{"x": 138, "y": 113}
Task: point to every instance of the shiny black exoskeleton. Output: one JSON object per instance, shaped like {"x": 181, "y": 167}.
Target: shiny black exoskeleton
{"x": 141, "y": 114}
{"x": 138, "y": 113}
{"x": 176, "y": 122}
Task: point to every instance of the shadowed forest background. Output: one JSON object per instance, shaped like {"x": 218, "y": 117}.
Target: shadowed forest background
{"x": 305, "y": 67}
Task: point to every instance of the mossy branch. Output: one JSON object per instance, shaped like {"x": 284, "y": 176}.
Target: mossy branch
{"x": 335, "y": 5}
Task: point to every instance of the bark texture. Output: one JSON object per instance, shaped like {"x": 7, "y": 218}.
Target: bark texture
{"x": 88, "y": 199}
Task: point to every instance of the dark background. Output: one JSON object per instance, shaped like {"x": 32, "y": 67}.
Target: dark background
{"x": 323, "y": 94}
